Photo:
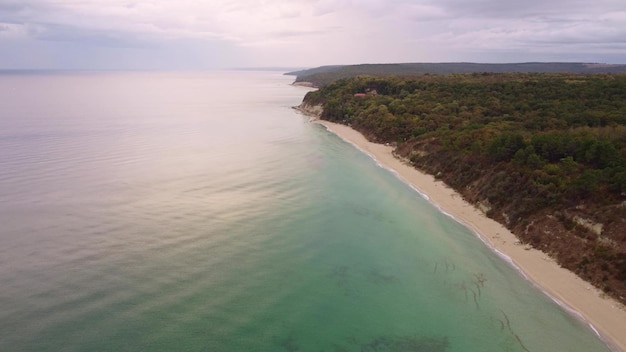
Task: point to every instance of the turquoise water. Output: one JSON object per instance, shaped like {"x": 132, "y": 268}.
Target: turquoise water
{"x": 198, "y": 212}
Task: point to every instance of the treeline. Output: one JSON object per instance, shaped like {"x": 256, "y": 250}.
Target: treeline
{"x": 325, "y": 75}
{"x": 546, "y": 153}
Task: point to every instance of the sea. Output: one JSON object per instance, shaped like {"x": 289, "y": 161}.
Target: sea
{"x": 198, "y": 211}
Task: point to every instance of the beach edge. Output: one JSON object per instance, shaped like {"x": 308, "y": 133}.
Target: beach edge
{"x": 604, "y": 315}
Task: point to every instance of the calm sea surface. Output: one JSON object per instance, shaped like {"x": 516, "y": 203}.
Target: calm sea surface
{"x": 198, "y": 212}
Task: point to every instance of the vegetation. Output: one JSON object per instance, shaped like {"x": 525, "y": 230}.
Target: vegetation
{"x": 324, "y": 75}
{"x": 545, "y": 153}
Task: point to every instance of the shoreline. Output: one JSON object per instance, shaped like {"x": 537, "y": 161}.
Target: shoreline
{"x": 602, "y": 314}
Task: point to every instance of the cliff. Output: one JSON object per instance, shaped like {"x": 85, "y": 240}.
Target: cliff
{"x": 314, "y": 111}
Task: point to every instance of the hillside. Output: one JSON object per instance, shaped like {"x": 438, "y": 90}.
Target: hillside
{"x": 544, "y": 154}
{"x": 324, "y": 75}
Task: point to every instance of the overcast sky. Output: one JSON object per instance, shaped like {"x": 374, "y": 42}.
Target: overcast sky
{"x": 204, "y": 34}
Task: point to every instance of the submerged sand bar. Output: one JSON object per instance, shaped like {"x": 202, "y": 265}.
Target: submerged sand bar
{"x": 606, "y": 316}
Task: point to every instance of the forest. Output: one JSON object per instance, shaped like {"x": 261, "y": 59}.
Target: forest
{"x": 542, "y": 153}
{"x": 321, "y": 76}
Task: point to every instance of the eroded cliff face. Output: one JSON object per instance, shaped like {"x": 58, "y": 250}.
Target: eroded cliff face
{"x": 313, "y": 111}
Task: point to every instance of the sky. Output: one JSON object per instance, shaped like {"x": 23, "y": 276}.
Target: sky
{"x": 208, "y": 34}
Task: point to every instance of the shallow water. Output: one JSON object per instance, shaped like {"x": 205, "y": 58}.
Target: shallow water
{"x": 197, "y": 211}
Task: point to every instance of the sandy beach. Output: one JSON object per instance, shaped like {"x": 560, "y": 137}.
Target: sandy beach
{"x": 606, "y": 316}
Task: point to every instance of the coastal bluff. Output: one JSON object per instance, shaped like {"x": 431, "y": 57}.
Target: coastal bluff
{"x": 313, "y": 111}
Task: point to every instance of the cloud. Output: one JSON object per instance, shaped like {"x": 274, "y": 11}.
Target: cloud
{"x": 301, "y": 32}
{"x": 508, "y": 9}
{"x": 13, "y": 31}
